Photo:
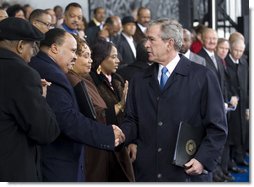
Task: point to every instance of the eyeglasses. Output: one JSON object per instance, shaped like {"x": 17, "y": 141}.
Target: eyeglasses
{"x": 49, "y": 25}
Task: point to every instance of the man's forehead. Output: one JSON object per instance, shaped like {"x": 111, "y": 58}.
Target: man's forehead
{"x": 153, "y": 30}
{"x": 75, "y": 10}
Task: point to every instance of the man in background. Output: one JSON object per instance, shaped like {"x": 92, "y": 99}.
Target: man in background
{"x": 185, "y": 49}
{"x": 99, "y": 14}
{"x": 72, "y": 18}
{"x": 26, "y": 119}
{"x": 143, "y": 18}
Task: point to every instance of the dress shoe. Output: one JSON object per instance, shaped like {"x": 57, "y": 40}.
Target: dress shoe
{"x": 217, "y": 178}
{"x": 229, "y": 177}
{"x": 237, "y": 170}
{"x": 242, "y": 163}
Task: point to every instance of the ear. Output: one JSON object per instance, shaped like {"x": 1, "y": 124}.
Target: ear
{"x": 170, "y": 43}
{"x": 20, "y": 47}
{"x": 34, "y": 23}
{"x": 54, "y": 48}
{"x": 64, "y": 16}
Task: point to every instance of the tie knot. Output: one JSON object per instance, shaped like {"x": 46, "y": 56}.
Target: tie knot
{"x": 164, "y": 70}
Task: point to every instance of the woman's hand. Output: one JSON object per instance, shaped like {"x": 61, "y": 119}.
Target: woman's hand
{"x": 44, "y": 85}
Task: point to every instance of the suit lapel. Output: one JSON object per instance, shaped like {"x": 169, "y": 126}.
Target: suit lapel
{"x": 152, "y": 73}
{"x": 181, "y": 69}
{"x": 208, "y": 59}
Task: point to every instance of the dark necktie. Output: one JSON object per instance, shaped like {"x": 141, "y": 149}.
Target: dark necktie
{"x": 164, "y": 77}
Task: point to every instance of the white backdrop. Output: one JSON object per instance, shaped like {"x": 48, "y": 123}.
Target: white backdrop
{"x": 43, "y": 4}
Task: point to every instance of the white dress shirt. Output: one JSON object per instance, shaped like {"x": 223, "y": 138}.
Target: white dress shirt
{"x": 131, "y": 44}
{"x": 170, "y": 66}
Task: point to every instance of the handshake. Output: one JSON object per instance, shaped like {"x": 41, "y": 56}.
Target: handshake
{"x": 119, "y": 135}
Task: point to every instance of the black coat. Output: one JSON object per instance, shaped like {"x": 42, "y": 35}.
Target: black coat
{"x": 238, "y": 81}
{"x": 152, "y": 119}
{"x": 125, "y": 51}
{"x": 139, "y": 35}
{"x": 26, "y": 120}
{"x": 92, "y": 34}
{"x": 129, "y": 71}
{"x": 62, "y": 160}
{"x": 220, "y": 73}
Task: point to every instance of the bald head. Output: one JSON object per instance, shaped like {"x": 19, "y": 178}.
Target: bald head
{"x": 187, "y": 40}
{"x": 235, "y": 36}
{"x": 3, "y": 14}
{"x": 113, "y": 25}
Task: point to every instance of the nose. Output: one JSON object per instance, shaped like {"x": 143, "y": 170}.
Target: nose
{"x": 76, "y": 18}
{"x": 146, "y": 44}
{"x": 74, "y": 57}
{"x": 117, "y": 61}
{"x": 90, "y": 61}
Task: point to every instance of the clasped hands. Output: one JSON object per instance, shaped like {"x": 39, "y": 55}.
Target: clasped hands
{"x": 119, "y": 135}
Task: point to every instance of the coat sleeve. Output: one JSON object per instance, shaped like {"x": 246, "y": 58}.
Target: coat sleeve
{"x": 74, "y": 124}
{"x": 129, "y": 125}
{"x": 214, "y": 121}
{"x": 31, "y": 111}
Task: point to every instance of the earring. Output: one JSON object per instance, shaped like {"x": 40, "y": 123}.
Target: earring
{"x": 98, "y": 70}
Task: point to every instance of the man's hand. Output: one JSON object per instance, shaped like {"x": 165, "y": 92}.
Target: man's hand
{"x": 44, "y": 85}
{"x": 119, "y": 135}
{"x": 194, "y": 167}
{"x": 132, "y": 152}
{"x": 234, "y": 101}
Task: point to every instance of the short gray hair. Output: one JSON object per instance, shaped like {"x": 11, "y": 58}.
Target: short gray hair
{"x": 170, "y": 29}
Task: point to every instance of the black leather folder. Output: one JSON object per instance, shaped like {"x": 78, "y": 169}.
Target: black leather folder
{"x": 84, "y": 100}
{"x": 188, "y": 141}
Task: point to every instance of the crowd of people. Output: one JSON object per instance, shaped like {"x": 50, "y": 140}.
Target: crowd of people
{"x": 102, "y": 101}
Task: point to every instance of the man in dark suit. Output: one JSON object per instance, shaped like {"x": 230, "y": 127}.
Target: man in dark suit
{"x": 185, "y": 49}
{"x": 126, "y": 45}
{"x": 26, "y": 120}
{"x": 143, "y": 18}
{"x": 63, "y": 159}
{"x": 156, "y": 106}
{"x": 109, "y": 32}
{"x": 238, "y": 77}
{"x": 99, "y": 14}
{"x": 213, "y": 61}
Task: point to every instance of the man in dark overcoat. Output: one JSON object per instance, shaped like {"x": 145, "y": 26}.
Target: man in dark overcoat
{"x": 62, "y": 160}
{"x": 238, "y": 80}
{"x": 155, "y": 107}
{"x": 26, "y": 120}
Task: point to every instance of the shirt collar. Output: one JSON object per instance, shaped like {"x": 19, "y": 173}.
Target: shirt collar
{"x": 187, "y": 54}
{"x": 208, "y": 52}
{"x": 127, "y": 37}
{"x": 235, "y": 61}
{"x": 69, "y": 30}
{"x": 171, "y": 65}
{"x": 143, "y": 29}
{"x": 97, "y": 23}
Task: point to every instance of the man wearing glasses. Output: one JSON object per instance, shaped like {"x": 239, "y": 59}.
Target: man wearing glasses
{"x": 42, "y": 21}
